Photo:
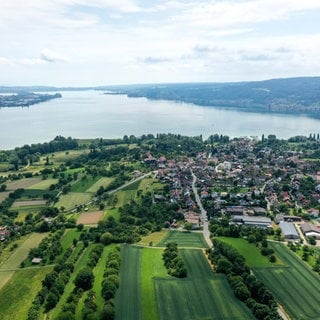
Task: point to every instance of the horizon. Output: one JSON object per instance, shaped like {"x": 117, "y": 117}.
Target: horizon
{"x": 108, "y": 42}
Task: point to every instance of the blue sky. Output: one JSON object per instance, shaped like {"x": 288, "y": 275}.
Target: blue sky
{"x": 97, "y": 42}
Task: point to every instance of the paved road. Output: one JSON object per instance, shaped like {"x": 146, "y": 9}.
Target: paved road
{"x": 204, "y": 217}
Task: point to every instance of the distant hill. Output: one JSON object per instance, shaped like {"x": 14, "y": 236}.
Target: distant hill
{"x": 289, "y": 95}
{"x": 293, "y": 95}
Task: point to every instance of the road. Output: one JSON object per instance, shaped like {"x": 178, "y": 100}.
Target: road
{"x": 204, "y": 217}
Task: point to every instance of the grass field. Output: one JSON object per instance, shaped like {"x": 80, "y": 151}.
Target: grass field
{"x": 21, "y": 253}
{"x": 36, "y": 193}
{"x": 184, "y": 239}
{"x": 147, "y": 292}
{"x": 128, "y": 298}
{"x": 43, "y": 184}
{"x": 104, "y": 182}
{"x": 125, "y": 196}
{"x": 250, "y": 252}
{"x": 68, "y": 237}
{"x": 71, "y": 200}
{"x": 84, "y": 184}
{"x": 17, "y": 295}
{"x": 154, "y": 237}
{"x": 294, "y": 285}
{"x": 63, "y": 156}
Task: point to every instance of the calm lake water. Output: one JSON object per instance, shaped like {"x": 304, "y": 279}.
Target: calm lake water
{"x": 92, "y": 114}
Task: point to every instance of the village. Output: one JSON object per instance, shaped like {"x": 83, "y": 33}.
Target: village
{"x": 252, "y": 185}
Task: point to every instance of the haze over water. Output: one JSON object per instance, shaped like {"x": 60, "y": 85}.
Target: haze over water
{"x": 92, "y": 114}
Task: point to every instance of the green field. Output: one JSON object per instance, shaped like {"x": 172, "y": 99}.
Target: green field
{"x": 128, "y": 298}
{"x": 184, "y": 239}
{"x": 21, "y": 253}
{"x": 104, "y": 182}
{"x": 71, "y": 200}
{"x": 17, "y": 295}
{"x": 84, "y": 184}
{"x": 203, "y": 295}
{"x": 67, "y": 239}
{"x": 43, "y": 184}
{"x": 294, "y": 285}
{"x": 154, "y": 237}
{"x": 250, "y": 252}
{"x": 133, "y": 186}
{"x": 147, "y": 292}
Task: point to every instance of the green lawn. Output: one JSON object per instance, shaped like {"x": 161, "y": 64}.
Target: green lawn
{"x": 17, "y": 295}
{"x": 294, "y": 285}
{"x": 71, "y": 200}
{"x": 68, "y": 237}
{"x": 104, "y": 182}
{"x": 184, "y": 239}
{"x": 250, "y": 252}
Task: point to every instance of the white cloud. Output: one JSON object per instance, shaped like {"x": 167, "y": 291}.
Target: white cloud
{"x": 51, "y": 56}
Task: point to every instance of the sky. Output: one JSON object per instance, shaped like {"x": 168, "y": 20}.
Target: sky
{"x": 104, "y": 42}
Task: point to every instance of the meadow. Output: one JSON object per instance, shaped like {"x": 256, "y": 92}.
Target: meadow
{"x": 71, "y": 200}
{"x": 294, "y": 285}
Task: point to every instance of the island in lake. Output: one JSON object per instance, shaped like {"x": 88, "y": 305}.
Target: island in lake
{"x": 25, "y": 99}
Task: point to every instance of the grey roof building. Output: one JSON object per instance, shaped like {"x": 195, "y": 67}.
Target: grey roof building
{"x": 289, "y": 230}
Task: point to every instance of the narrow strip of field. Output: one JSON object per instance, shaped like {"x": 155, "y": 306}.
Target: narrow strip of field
{"x": 128, "y": 299}
{"x": 184, "y": 239}
{"x": 17, "y": 295}
{"x": 4, "y": 195}
{"x": 295, "y": 285}
{"x": 28, "y": 203}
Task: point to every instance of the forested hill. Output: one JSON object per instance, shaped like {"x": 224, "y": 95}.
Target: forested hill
{"x": 296, "y": 95}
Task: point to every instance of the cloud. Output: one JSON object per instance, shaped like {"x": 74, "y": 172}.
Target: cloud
{"x": 5, "y": 61}
{"x": 51, "y": 56}
{"x": 154, "y": 60}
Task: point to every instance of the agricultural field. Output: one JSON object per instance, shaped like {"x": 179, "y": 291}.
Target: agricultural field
{"x": 22, "y": 251}
{"x": 88, "y": 218}
{"x": 22, "y": 184}
{"x": 62, "y": 156}
{"x": 71, "y": 200}
{"x": 28, "y": 203}
{"x": 43, "y": 184}
{"x": 104, "y": 182}
{"x": 84, "y": 184}
{"x": 184, "y": 239}
{"x": 294, "y": 285}
{"x": 149, "y": 293}
{"x": 4, "y": 195}
{"x": 17, "y": 295}
{"x": 153, "y": 238}
{"x": 250, "y": 252}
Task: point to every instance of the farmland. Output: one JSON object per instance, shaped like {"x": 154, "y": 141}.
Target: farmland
{"x": 71, "y": 200}
{"x": 164, "y": 297}
{"x": 184, "y": 239}
{"x": 43, "y": 184}
{"x": 295, "y": 285}
{"x": 104, "y": 182}
{"x": 87, "y": 218}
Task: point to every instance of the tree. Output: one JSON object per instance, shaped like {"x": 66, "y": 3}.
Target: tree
{"x": 224, "y": 266}
{"x": 106, "y": 238}
{"x": 51, "y": 301}
{"x": 84, "y": 279}
{"x": 108, "y": 312}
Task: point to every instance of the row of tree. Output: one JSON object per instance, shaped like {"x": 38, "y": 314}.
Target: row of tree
{"x": 245, "y": 285}
{"x": 173, "y": 262}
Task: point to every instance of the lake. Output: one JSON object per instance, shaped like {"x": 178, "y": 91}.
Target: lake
{"x": 92, "y": 114}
